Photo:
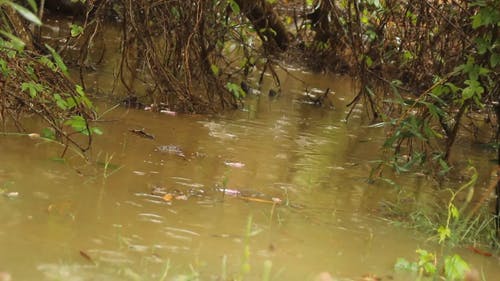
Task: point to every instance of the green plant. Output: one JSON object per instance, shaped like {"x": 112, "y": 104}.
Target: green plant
{"x": 39, "y": 84}
{"x": 245, "y": 264}
{"x": 427, "y": 265}
{"x": 453, "y": 213}
{"x": 108, "y": 167}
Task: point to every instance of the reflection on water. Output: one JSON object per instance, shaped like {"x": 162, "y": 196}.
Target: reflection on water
{"x": 182, "y": 200}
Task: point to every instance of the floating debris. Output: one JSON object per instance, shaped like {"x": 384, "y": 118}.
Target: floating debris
{"x": 12, "y": 194}
{"x": 34, "y": 136}
{"x": 87, "y": 257}
{"x": 260, "y": 200}
{"x": 230, "y": 192}
{"x": 171, "y": 149}
{"x": 479, "y": 252}
{"x": 276, "y": 200}
{"x": 168, "y": 197}
{"x": 181, "y": 197}
{"x": 142, "y": 133}
{"x": 168, "y": 112}
{"x": 234, "y": 164}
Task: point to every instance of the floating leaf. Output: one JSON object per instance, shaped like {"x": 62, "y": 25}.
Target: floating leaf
{"x": 168, "y": 197}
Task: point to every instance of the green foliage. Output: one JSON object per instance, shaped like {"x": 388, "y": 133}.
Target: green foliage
{"x": 488, "y": 14}
{"x": 431, "y": 83}
{"x": 76, "y": 30}
{"x": 48, "y": 133}
{"x": 425, "y": 265}
{"x": 80, "y": 125}
{"x": 23, "y": 11}
{"x": 58, "y": 60}
{"x": 451, "y": 220}
{"x": 234, "y": 6}
{"x": 215, "y": 69}
{"x": 453, "y": 213}
{"x": 235, "y": 89}
{"x": 454, "y": 268}
{"x": 41, "y": 84}
{"x": 32, "y": 88}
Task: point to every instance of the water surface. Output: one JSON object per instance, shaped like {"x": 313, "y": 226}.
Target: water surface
{"x": 300, "y": 172}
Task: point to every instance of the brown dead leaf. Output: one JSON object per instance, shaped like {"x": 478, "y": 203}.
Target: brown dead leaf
{"x": 86, "y": 256}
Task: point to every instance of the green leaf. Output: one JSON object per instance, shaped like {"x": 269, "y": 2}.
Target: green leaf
{"x": 474, "y": 89}
{"x": 403, "y": 264}
{"x": 27, "y": 14}
{"x": 455, "y": 268}
{"x": 70, "y": 102}
{"x": 431, "y": 133}
{"x": 76, "y": 30}
{"x": 48, "y": 133}
{"x": 58, "y": 60}
{"x": 4, "y": 68}
{"x": 32, "y": 88}
{"x": 408, "y": 55}
{"x": 426, "y": 261}
{"x": 444, "y": 232}
{"x": 234, "y": 6}
{"x": 494, "y": 59}
{"x": 368, "y": 61}
{"x": 454, "y": 212}
{"x": 452, "y": 87}
{"x": 16, "y": 42}
{"x": 47, "y": 62}
{"x": 78, "y": 123}
{"x": 214, "y": 69}
{"x": 445, "y": 168}
{"x": 33, "y": 5}
{"x": 60, "y": 102}
{"x": 83, "y": 97}
{"x": 236, "y": 90}
{"x": 96, "y": 131}
{"x": 430, "y": 268}
{"x": 175, "y": 12}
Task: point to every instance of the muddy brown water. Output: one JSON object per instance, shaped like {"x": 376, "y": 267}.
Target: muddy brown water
{"x": 153, "y": 209}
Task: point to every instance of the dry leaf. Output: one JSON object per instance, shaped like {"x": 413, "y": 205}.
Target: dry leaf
{"x": 168, "y": 197}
